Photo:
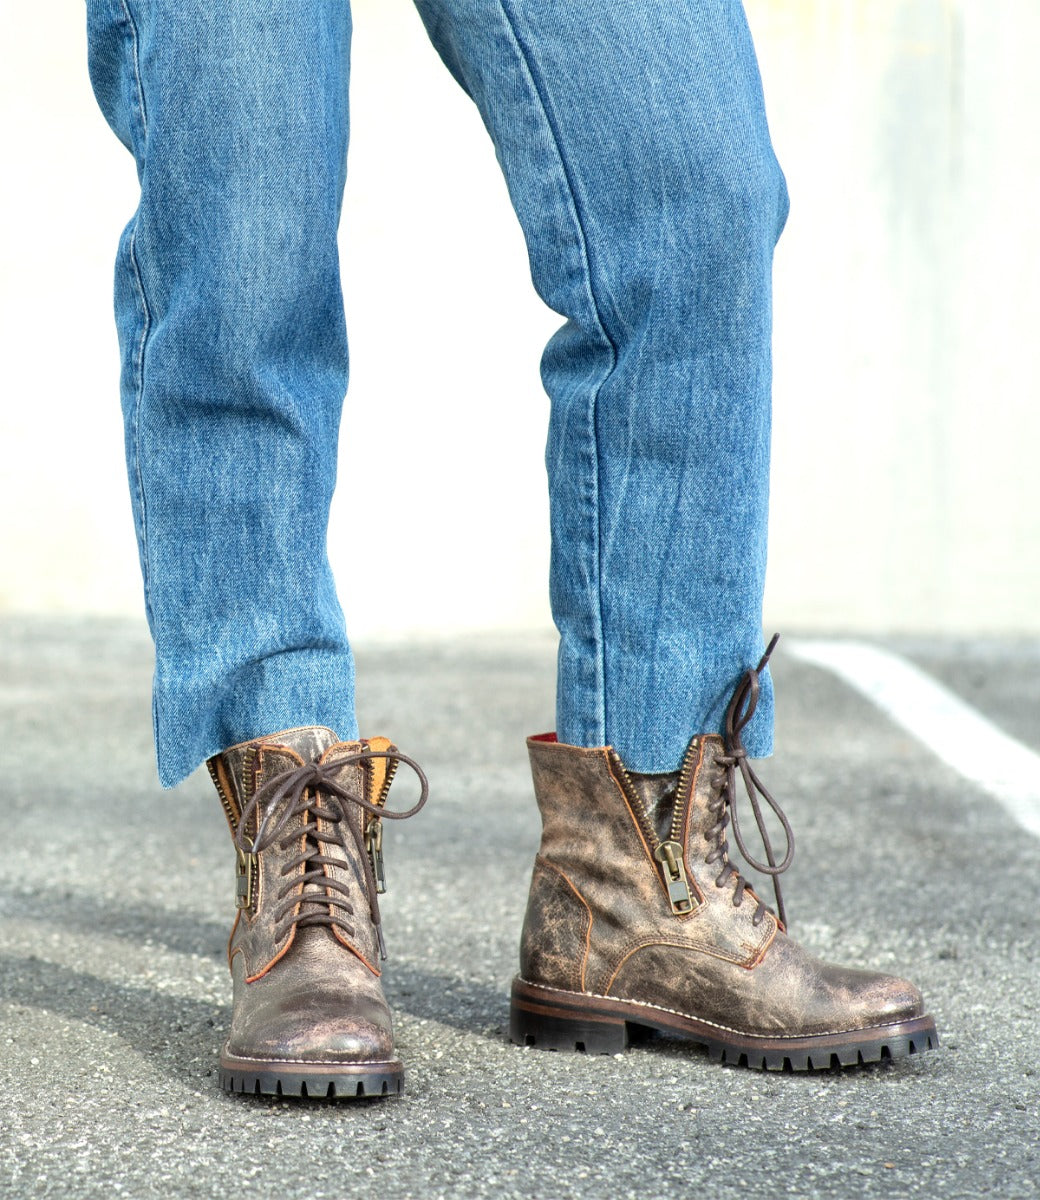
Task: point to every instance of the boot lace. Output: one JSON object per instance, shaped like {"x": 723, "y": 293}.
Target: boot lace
{"x": 314, "y": 793}
{"x": 741, "y": 710}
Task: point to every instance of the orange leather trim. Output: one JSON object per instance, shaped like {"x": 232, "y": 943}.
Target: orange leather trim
{"x": 377, "y": 767}
{"x": 608, "y": 755}
{"x": 277, "y": 958}
{"x": 355, "y": 951}
{"x": 585, "y": 904}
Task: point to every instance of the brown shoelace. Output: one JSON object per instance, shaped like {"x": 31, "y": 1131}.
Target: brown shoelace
{"x": 741, "y": 710}
{"x": 313, "y": 792}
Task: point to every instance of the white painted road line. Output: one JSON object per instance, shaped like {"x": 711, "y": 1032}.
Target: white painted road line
{"x": 960, "y": 735}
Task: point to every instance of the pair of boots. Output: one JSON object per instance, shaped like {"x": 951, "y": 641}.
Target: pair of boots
{"x": 637, "y": 919}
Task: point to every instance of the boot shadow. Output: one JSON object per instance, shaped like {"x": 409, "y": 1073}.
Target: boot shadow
{"x": 174, "y": 1033}
{"x": 177, "y": 1032}
{"x": 477, "y": 1008}
{"x": 92, "y": 915}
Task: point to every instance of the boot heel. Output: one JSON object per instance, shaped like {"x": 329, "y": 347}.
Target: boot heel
{"x": 545, "y": 1029}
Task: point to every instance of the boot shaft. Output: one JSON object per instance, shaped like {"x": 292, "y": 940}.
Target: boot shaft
{"x": 312, "y": 874}
{"x": 613, "y": 875}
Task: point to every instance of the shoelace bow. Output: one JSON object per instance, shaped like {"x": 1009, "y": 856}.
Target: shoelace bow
{"x": 313, "y": 791}
{"x": 738, "y": 715}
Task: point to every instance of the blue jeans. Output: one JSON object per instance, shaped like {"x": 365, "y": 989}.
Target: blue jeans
{"x": 634, "y": 143}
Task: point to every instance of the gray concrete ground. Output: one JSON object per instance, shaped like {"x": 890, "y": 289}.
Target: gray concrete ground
{"x": 115, "y": 901}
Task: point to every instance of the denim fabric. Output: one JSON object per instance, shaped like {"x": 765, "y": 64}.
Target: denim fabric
{"x": 231, "y": 323}
{"x": 634, "y": 143}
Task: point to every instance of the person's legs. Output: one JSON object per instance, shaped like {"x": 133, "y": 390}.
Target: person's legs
{"x": 234, "y": 369}
{"x": 234, "y": 354}
{"x": 634, "y": 141}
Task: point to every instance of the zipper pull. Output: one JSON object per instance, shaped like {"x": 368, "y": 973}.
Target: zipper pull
{"x": 245, "y": 869}
{"x": 374, "y": 846}
{"x": 670, "y": 856}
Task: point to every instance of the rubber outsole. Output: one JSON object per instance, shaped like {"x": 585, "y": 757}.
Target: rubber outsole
{"x": 549, "y": 1019}
{"x": 317, "y": 1081}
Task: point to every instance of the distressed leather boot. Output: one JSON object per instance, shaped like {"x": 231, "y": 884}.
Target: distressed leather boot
{"x": 309, "y": 1017}
{"x": 638, "y": 921}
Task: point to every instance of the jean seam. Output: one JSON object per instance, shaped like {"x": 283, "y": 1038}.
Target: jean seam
{"x": 146, "y": 320}
{"x": 527, "y": 58}
{"x": 136, "y": 60}
{"x": 139, "y": 355}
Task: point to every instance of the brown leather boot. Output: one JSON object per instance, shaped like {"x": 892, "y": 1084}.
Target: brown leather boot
{"x": 637, "y": 920}
{"x": 309, "y": 1017}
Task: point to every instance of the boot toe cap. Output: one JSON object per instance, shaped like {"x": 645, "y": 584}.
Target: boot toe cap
{"x": 330, "y": 1039}
{"x": 302, "y": 1017}
{"x": 892, "y": 1000}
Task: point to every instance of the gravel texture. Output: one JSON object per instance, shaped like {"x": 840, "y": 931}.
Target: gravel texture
{"x": 115, "y": 901}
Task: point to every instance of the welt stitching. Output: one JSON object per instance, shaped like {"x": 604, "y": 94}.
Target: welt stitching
{"x": 777, "y": 1037}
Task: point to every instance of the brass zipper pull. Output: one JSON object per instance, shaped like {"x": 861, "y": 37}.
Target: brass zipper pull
{"x": 670, "y": 856}
{"x": 374, "y": 846}
{"x": 245, "y": 867}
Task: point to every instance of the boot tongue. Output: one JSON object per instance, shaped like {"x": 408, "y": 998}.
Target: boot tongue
{"x": 308, "y": 742}
{"x": 657, "y": 793}
{"x": 706, "y": 785}
{"x": 700, "y": 777}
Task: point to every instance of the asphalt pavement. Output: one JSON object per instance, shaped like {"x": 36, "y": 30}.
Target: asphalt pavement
{"x": 116, "y": 899}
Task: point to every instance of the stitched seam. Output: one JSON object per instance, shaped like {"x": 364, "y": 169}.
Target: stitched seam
{"x": 632, "y": 816}
{"x": 274, "y": 961}
{"x": 231, "y": 938}
{"x": 146, "y": 327}
{"x": 766, "y": 942}
{"x": 341, "y": 938}
{"x": 309, "y": 1062}
{"x": 773, "y": 1037}
{"x": 546, "y": 865}
{"x": 135, "y": 45}
{"x": 527, "y": 59}
{"x": 642, "y": 943}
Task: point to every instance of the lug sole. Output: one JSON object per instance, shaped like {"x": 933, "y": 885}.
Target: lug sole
{"x": 314, "y": 1081}
{"x": 549, "y": 1019}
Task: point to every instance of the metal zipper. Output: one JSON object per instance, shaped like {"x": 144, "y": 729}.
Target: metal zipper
{"x": 374, "y": 828}
{"x": 230, "y": 810}
{"x": 669, "y": 854}
{"x": 245, "y": 864}
{"x": 391, "y": 770}
{"x": 642, "y": 816}
{"x": 692, "y": 756}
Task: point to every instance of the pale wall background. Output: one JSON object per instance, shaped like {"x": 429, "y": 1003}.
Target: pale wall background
{"x": 905, "y": 486}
